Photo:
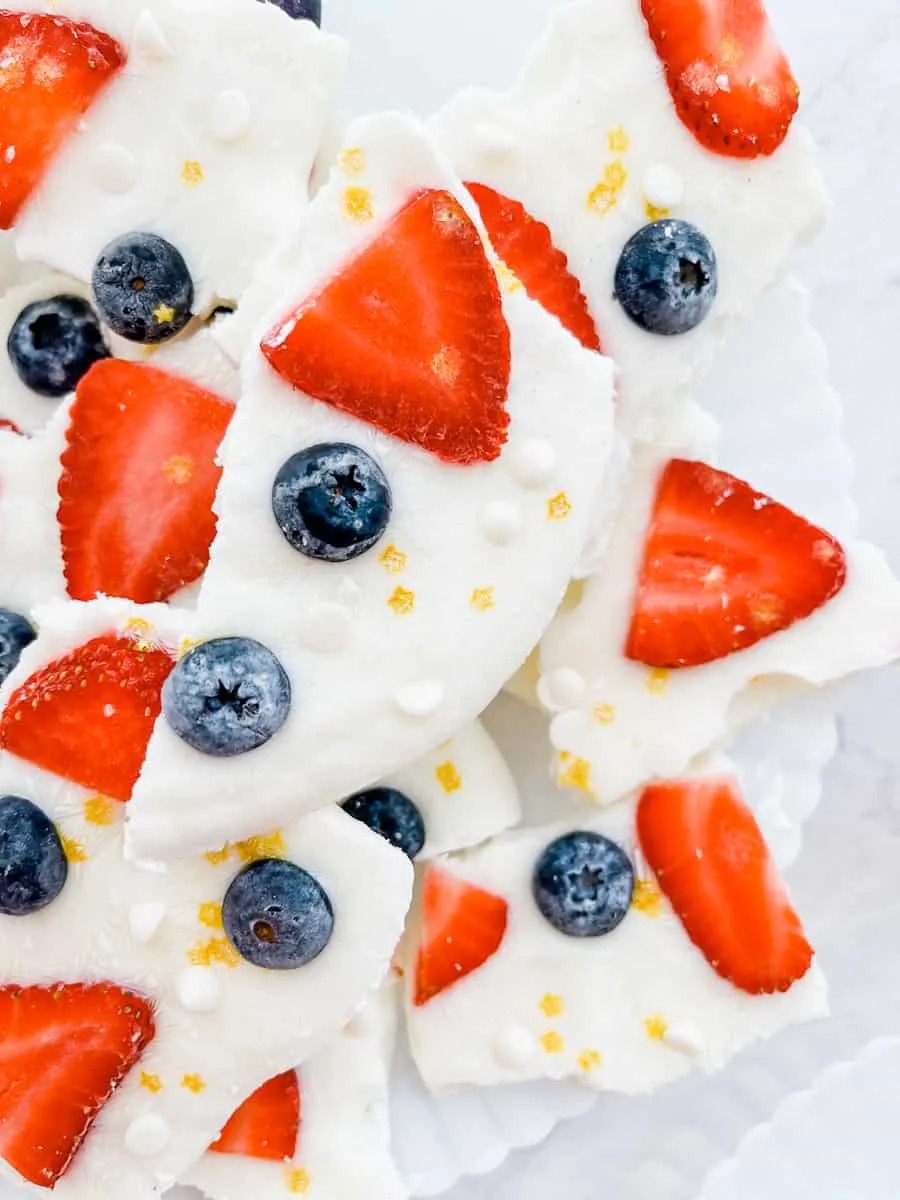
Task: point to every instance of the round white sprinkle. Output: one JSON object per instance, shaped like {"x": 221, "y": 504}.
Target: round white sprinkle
{"x": 419, "y": 699}
{"x": 147, "y": 1135}
{"x": 533, "y": 462}
{"x": 501, "y": 522}
{"x": 149, "y": 38}
{"x": 513, "y": 1047}
{"x": 568, "y": 729}
{"x": 144, "y": 919}
{"x": 115, "y": 168}
{"x": 327, "y": 627}
{"x": 229, "y": 117}
{"x": 663, "y": 187}
{"x": 686, "y": 1037}
{"x": 561, "y": 689}
{"x": 198, "y": 989}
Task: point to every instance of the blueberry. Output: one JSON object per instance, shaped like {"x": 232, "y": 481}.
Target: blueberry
{"x": 53, "y": 343}
{"x": 667, "y": 278}
{"x": 331, "y": 501}
{"x": 15, "y": 635}
{"x": 33, "y": 865}
{"x": 301, "y": 10}
{"x": 391, "y": 814}
{"x": 583, "y": 884}
{"x": 227, "y": 696}
{"x": 277, "y": 915}
{"x": 143, "y": 288}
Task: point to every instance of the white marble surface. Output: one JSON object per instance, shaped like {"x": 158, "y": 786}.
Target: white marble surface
{"x": 847, "y": 57}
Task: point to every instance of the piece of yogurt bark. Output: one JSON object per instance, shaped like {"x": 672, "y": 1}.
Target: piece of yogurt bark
{"x": 320, "y": 1131}
{"x": 622, "y": 948}
{"x": 474, "y": 432}
{"x": 192, "y": 119}
{"x": 590, "y": 142}
{"x": 162, "y": 998}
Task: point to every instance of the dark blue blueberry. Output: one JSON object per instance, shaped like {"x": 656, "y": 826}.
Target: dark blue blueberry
{"x": 53, "y": 343}
{"x": 390, "y": 813}
{"x": 15, "y": 635}
{"x": 301, "y": 10}
{"x": 33, "y": 865}
{"x": 667, "y": 277}
{"x": 143, "y": 288}
{"x": 331, "y": 501}
{"x": 277, "y": 915}
{"x": 227, "y": 696}
{"x": 583, "y": 884}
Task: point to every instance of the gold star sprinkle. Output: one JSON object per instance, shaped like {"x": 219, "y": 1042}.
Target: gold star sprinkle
{"x": 448, "y": 777}
{"x": 604, "y": 197}
{"x": 658, "y": 681}
{"x": 353, "y": 160}
{"x": 392, "y": 559}
{"x": 265, "y": 845}
{"x": 402, "y": 601}
{"x": 647, "y": 898}
{"x": 551, "y": 1006}
{"x": 558, "y": 507}
{"x": 152, "y": 1083}
{"x": 99, "y": 811}
{"x": 192, "y": 173}
{"x": 618, "y": 141}
{"x": 615, "y": 176}
{"x": 358, "y": 205}
{"x": 656, "y": 1027}
{"x": 588, "y": 1060}
{"x": 179, "y": 469}
{"x": 653, "y": 213}
{"x": 552, "y": 1042}
{"x": 576, "y": 773}
{"x": 210, "y": 915}
{"x": 482, "y": 599}
{"x": 193, "y": 1083}
{"x": 297, "y": 1180}
{"x": 164, "y": 314}
{"x": 216, "y": 950}
{"x": 73, "y": 850}
{"x": 604, "y": 714}
{"x": 506, "y": 277}
{"x": 216, "y": 857}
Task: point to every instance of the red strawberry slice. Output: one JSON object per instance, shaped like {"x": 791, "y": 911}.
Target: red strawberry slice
{"x": 462, "y": 926}
{"x": 729, "y": 80}
{"x": 139, "y": 476}
{"x": 88, "y": 716}
{"x": 713, "y": 865}
{"x": 267, "y": 1124}
{"x": 64, "y": 1049}
{"x": 526, "y": 246}
{"x": 52, "y": 70}
{"x": 724, "y": 567}
{"x": 409, "y": 335}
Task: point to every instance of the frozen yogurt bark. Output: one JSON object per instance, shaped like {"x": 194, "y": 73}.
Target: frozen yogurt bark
{"x": 622, "y": 948}
{"x": 653, "y": 145}
{"x": 194, "y": 120}
{"x": 407, "y": 484}
{"x": 139, "y": 1006}
{"x": 320, "y": 1131}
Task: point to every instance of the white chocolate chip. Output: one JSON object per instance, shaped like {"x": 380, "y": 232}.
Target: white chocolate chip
{"x": 663, "y": 187}
{"x": 198, "y": 989}
{"x": 533, "y": 462}
{"x": 685, "y": 1037}
{"x": 327, "y": 627}
{"x": 115, "y": 168}
{"x": 229, "y": 117}
{"x": 561, "y": 689}
{"x": 514, "y": 1047}
{"x": 501, "y": 522}
{"x": 147, "y": 1135}
{"x": 419, "y": 699}
{"x": 144, "y": 919}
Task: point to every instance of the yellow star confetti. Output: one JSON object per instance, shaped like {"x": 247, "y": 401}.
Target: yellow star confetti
{"x": 482, "y": 599}
{"x": 353, "y": 160}
{"x": 658, "y": 680}
{"x": 402, "y": 601}
{"x": 358, "y": 205}
{"x": 653, "y": 213}
{"x": 192, "y": 173}
{"x": 99, "y": 811}
{"x": 297, "y": 1180}
{"x": 163, "y": 314}
{"x": 647, "y": 898}
{"x": 448, "y": 777}
{"x": 74, "y": 850}
{"x": 604, "y": 196}
{"x": 216, "y": 857}
{"x": 193, "y": 1083}
{"x": 265, "y": 845}
{"x": 216, "y": 950}
{"x": 152, "y": 1083}
{"x": 656, "y": 1027}
{"x": 553, "y": 1042}
{"x": 618, "y": 141}
{"x": 576, "y": 774}
{"x": 558, "y": 507}
{"x": 588, "y": 1060}
{"x": 392, "y": 559}
{"x": 179, "y": 469}
{"x": 604, "y": 714}
{"x": 551, "y": 1006}
{"x": 210, "y": 915}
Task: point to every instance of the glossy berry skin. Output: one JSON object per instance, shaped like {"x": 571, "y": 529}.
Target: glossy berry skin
{"x": 331, "y": 501}
{"x": 143, "y": 288}
{"x": 392, "y": 815}
{"x": 33, "y": 864}
{"x": 53, "y": 342}
{"x": 301, "y": 10}
{"x": 277, "y": 915}
{"x": 227, "y": 696}
{"x": 15, "y": 635}
{"x": 583, "y": 884}
{"x": 667, "y": 277}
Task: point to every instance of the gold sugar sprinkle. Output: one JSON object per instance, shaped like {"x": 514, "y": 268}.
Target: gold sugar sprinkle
{"x": 192, "y": 173}
{"x": 552, "y": 1042}
{"x": 576, "y": 774}
{"x": 358, "y": 204}
{"x": 658, "y": 680}
{"x": 193, "y": 1083}
{"x": 551, "y": 1006}
{"x": 152, "y": 1083}
{"x": 164, "y": 314}
{"x": 215, "y": 950}
{"x": 216, "y": 857}
{"x": 210, "y": 914}
{"x": 506, "y": 277}
{"x": 74, "y": 850}
{"x": 402, "y": 601}
{"x": 656, "y": 1027}
{"x": 448, "y": 777}
{"x": 619, "y": 142}
{"x": 98, "y": 810}
{"x": 604, "y": 196}
{"x": 647, "y": 898}
{"x": 558, "y": 507}
{"x": 588, "y": 1060}
{"x": 392, "y": 559}
{"x": 265, "y": 845}
{"x": 297, "y": 1180}
{"x": 353, "y": 160}
{"x": 482, "y": 599}
{"x": 654, "y": 213}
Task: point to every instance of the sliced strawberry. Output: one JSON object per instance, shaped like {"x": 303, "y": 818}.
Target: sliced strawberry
{"x": 713, "y": 865}
{"x": 729, "y": 80}
{"x": 409, "y": 335}
{"x": 88, "y": 716}
{"x": 724, "y": 567}
{"x": 51, "y": 71}
{"x": 138, "y": 482}
{"x": 267, "y": 1124}
{"x": 64, "y": 1049}
{"x": 462, "y": 926}
{"x": 525, "y": 245}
